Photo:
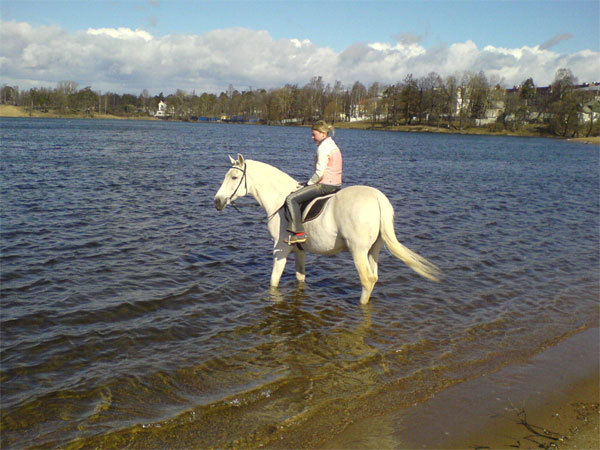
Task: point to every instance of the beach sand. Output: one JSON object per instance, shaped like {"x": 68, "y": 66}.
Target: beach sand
{"x": 551, "y": 401}
{"x": 20, "y": 111}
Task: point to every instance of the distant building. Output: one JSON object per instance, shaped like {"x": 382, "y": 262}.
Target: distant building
{"x": 163, "y": 112}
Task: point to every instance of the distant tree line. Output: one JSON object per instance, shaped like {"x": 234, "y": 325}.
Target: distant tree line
{"x": 458, "y": 102}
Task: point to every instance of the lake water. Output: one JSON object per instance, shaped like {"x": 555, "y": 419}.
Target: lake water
{"x": 133, "y": 314}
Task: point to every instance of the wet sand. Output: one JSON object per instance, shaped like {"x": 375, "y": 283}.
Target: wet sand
{"x": 551, "y": 401}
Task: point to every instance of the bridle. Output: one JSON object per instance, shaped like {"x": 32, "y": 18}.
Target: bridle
{"x": 242, "y": 180}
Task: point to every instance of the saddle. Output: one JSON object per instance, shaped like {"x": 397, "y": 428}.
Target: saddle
{"x": 313, "y": 208}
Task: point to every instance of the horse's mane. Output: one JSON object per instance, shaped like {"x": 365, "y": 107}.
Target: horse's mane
{"x": 279, "y": 177}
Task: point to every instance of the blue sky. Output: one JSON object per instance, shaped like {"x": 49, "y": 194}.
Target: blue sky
{"x": 336, "y": 24}
{"x": 335, "y": 29}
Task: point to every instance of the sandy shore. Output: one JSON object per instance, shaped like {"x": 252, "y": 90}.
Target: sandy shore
{"x": 19, "y": 111}
{"x": 550, "y": 401}
{"x": 595, "y": 140}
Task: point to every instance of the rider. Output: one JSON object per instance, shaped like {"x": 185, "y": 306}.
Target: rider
{"x": 326, "y": 179}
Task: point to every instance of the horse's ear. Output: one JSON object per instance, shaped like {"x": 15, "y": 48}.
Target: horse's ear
{"x": 231, "y": 159}
{"x": 240, "y": 160}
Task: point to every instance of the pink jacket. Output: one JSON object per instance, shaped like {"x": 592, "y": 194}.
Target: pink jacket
{"x": 328, "y": 164}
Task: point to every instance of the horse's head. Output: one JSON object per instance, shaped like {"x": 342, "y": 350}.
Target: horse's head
{"x": 235, "y": 183}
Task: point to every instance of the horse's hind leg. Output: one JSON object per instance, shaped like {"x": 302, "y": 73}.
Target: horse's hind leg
{"x": 374, "y": 255}
{"x": 367, "y": 277}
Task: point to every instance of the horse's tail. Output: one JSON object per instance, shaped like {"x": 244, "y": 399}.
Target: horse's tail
{"x": 410, "y": 258}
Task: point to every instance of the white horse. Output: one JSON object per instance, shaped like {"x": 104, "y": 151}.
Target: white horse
{"x": 356, "y": 218}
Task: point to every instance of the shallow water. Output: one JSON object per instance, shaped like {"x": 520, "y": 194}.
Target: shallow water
{"x": 133, "y": 314}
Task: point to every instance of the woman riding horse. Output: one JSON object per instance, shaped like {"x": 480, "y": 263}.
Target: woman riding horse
{"x": 359, "y": 219}
{"x": 326, "y": 179}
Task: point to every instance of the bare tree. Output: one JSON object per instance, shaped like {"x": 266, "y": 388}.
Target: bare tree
{"x": 357, "y": 95}
{"x": 565, "y": 104}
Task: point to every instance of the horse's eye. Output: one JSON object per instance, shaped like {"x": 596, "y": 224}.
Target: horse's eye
{"x": 234, "y": 177}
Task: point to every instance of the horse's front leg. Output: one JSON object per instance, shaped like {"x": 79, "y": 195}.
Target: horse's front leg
{"x": 280, "y": 255}
{"x": 300, "y": 265}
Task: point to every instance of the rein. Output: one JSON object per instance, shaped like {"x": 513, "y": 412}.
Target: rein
{"x": 273, "y": 215}
{"x": 243, "y": 179}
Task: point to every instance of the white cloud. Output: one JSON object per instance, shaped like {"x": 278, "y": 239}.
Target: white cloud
{"x": 121, "y": 33}
{"x": 408, "y": 50}
{"x": 299, "y": 43}
{"x": 126, "y": 60}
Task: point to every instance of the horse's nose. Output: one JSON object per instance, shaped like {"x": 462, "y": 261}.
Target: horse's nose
{"x": 219, "y": 203}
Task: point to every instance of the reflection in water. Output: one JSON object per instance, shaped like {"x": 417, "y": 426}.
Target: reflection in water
{"x": 275, "y": 294}
{"x": 299, "y": 294}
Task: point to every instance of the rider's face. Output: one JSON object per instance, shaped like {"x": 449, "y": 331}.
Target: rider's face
{"x": 318, "y": 136}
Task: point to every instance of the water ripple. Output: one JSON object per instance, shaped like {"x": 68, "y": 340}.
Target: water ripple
{"x": 135, "y": 315}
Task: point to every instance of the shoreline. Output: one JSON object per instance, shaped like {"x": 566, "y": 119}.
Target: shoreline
{"x": 549, "y": 401}
{"x": 594, "y": 140}
{"x": 21, "y": 112}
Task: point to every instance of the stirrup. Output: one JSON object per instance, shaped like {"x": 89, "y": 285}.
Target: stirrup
{"x": 293, "y": 239}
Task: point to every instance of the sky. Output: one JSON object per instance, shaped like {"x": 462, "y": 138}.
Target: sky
{"x": 206, "y": 46}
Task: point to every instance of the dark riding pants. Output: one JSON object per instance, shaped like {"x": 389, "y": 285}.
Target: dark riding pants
{"x": 302, "y": 195}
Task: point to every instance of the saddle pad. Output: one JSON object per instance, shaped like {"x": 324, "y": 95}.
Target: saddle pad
{"x": 312, "y": 210}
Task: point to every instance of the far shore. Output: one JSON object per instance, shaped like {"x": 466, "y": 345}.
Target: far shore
{"x": 21, "y": 111}
{"x": 531, "y": 131}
